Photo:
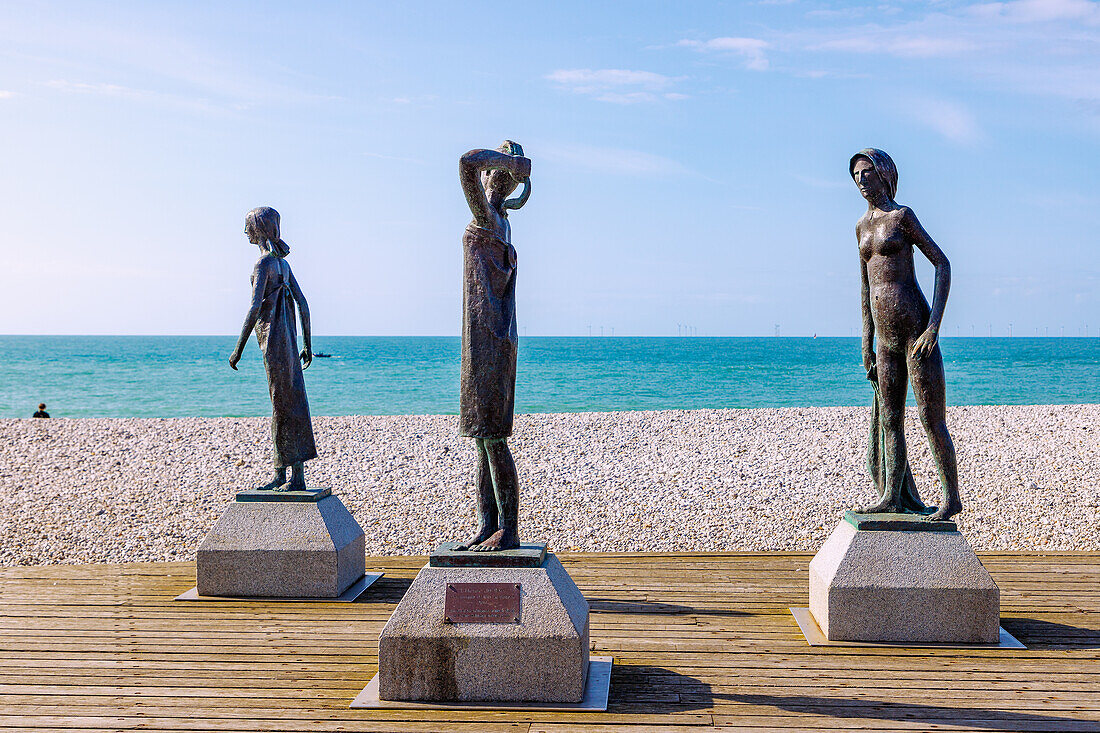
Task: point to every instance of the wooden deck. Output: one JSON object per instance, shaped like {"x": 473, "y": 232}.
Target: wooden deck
{"x": 701, "y": 642}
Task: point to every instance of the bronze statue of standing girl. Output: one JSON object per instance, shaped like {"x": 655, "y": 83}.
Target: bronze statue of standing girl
{"x": 271, "y": 315}
{"x": 489, "y": 337}
{"x": 901, "y": 340}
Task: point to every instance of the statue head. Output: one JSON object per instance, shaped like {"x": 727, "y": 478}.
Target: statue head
{"x": 875, "y": 174}
{"x": 499, "y": 184}
{"x": 261, "y": 226}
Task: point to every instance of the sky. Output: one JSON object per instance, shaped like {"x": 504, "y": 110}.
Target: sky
{"x": 690, "y": 160}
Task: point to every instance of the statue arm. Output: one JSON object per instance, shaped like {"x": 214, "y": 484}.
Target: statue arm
{"x": 470, "y": 167}
{"x": 935, "y": 255}
{"x": 868, "y": 322}
{"x": 303, "y": 314}
{"x": 259, "y": 284}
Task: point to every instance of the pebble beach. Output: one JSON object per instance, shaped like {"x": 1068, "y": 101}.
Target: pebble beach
{"x": 101, "y": 490}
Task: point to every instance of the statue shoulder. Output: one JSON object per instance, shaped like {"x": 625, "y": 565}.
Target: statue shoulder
{"x": 907, "y": 218}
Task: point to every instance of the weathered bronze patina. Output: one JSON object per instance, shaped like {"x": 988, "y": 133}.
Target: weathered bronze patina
{"x": 525, "y": 556}
{"x": 901, "y": 341}
{"x": 489, "y": 336}
{"x": 271, "y": 316}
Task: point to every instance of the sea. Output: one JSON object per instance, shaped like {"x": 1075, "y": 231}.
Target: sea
{"x": 189, "y": 376}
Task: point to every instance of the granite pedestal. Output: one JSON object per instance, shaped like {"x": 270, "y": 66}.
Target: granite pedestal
{"x": 889, "y": 578}
{"x": 542, "y": 657}
{"x": 301, "y": 544}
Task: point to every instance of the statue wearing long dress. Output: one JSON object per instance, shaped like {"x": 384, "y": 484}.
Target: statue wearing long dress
{"x": 489, "y": 337}
{"x": 901, "y": 341}
{"x": 271, "y": 316}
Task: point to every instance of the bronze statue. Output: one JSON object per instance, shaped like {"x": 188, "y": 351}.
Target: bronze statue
{"x": 489, "y": 337}
{"x": 271, "y": 315}
{"x": 900, "y": 340}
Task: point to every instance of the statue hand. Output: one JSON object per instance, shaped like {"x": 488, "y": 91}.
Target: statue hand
{"x": 522, "y": 169}
{"x": 234, "y": 358}
{"x": 871, "y": 367}
{"x": 307, "y": 358}
{"x": 925, "y": 343}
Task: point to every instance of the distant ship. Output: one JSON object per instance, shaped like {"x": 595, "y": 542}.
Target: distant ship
{"x": 321, "y": 355}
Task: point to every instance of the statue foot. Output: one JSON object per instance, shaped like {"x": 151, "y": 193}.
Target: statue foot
{"x": 273, "y": 485}
{"x": 948, "y": 510}
{"x": 502, "y": 539}
{"x": 886, "y": 506}
{"x": 483, "y": 533}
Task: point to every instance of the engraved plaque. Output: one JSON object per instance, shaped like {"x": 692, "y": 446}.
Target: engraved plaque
{"x": 481, "y": 603}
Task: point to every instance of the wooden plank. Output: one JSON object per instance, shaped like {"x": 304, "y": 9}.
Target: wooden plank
{"x": 702, "y": 642}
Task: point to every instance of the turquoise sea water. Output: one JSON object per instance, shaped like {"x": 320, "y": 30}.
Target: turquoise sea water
{"x": 170, "y": 376}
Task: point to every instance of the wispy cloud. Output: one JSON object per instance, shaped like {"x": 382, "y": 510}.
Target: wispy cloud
{"x": 1043, "y": 47}
{"x": 898, "y": 43}
{"x": 109, "y": 90}
{"x": 951, "y": 120}
{"x": 750, "y": 49}
{"x": 6, "y": 94}
{"x": 620, "y": 86}
{"x": 1039, "y": 11}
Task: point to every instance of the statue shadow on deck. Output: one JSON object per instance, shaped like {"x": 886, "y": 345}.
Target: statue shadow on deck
{"x": 1037, "y": 633}
{"x": 647, "y": 689}
{"x": 613, "y": 605}
{"x": 386, "y": 590}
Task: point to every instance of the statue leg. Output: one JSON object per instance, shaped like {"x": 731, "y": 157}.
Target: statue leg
{"x": 486, "y": 500}
{"x": 506, "y": 490}
{"x": 297, "y": 478}
{"x": 278, "y": 480}
{"x": 893, "y": 384}
{"x": 930, "y": 390}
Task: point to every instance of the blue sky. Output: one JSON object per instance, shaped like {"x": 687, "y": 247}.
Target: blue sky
{"x": 689, "y": 160}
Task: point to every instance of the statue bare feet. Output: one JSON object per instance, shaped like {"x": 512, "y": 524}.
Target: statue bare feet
{"x": 483, "y": 533}
{"x": 915, "y": 506}
{"x": 297, "y": 480}
{"x": 886, "y": 506}
{"x": 950, "y": 508}
{"x": 502, "y": 539}
{"x": 277, "y": 481}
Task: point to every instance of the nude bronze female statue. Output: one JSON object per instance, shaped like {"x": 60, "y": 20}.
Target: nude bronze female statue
{"x": 489, "y": 337}
{"x": 900, "y": 340}
{"x": 271, "y": 316}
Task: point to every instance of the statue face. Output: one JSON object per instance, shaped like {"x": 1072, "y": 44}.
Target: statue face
{"x": 868, "y": 181}
{"x": 250, "y": 232}
{"x": 499, "y": 184}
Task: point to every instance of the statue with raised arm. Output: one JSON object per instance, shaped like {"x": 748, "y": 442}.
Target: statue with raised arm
{"x": 900, "y": 341}
{"x": 489, "y": 337}
{"x": 271, "y": 316}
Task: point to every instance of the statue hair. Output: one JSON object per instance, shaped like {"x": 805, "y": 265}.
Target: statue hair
{"x": 264, "y": 220}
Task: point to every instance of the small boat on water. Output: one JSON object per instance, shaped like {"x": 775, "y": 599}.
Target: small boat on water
{"x": 322, "y": 355}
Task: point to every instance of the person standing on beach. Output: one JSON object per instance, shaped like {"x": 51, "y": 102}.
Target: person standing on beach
{"x": 41, "y": 410}
{"x": 271, "y": 316}
{"x": 490, "y": 338}
{"x": 901, "y": 339}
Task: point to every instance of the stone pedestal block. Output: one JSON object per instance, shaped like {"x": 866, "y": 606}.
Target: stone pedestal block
{"x": 542, "y": 658}
{"x": 902, "y": 586}
{"x": 282, "y": 549}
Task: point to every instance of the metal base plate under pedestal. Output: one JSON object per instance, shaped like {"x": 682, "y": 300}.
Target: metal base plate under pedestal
{"x": 531, "y": 555}
{"x": 352, "y": 594}
{"x": 596, "y": 689}
{"x": 278, "y": 495}
{"x": 815, "y": 637}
